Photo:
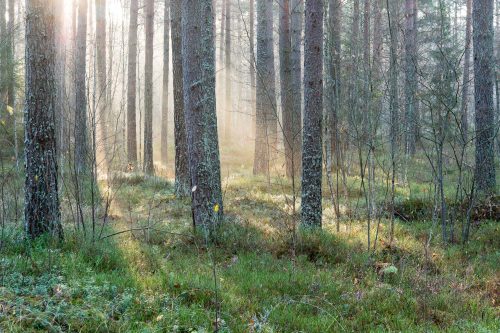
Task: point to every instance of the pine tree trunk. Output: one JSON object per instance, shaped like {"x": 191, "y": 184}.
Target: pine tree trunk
{"x": 297, "y": 18}
{"x": 466, "y": 74}
{"x": 182, "y": 179}
{"x": 132, "y": 85}
{"x": 411, "y": 79}
{"x": 166, "y": 69}
{"x": 198, "y": 56}
{"x": 60, "y": 111}
{"x": 266, "y": 122}
{"x": 312, "y": 157}
{"x": 81, "y": 141}
{"x": 41, "y": 211}
{"x": 484, "y": 64}
{"x": 3, "y": 59}
{"x": 10, "y": 56}
{"x": 101, "y": 94}
{"x": 285, "y": 49}
{"x": 222, "y": 29}
{"x": 251, "y": 34}
{"x": 333, "y": 82}
{"x": 228, "y": 70}
{"x": 148, "y": 89}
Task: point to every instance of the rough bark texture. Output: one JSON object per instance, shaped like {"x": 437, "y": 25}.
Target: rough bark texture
{"x": 3, "y": 58}
{"x": 393, "y": 18}
{"x": 377, "y": 56}
{"x": 222, "y": 29}
{"x": 148, "y": 89}
{"x": 285, "y": 50}
{"x": 466, "y": 74}
{"x": 228, "y": 71}
{"x": 10, "y": 56}
{"x": 313, "y": 109}
{"x": 296, "y": 26}
{"x": 333, "y": 82}
{"x": 132, "y": 85}
{"x": 100, "y": 33}
{"x": 251, "y": 34}
{"x": 201, "y": 118}
{"x": 411, "y": 76}
{"x": 182, "y": 179}
{"x": 60, "y": 111}
{"x": 266, "y": 121}
{"x": 81, "y": 141}
{"x": 484, "y": 64}
{"x": 166, "y": 69}
{"x": 41, "y": 210}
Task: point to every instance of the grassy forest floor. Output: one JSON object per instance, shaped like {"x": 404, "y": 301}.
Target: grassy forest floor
{"x": 159, "y": 277}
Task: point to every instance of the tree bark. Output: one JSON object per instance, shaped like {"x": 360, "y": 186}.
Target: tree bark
{"x": 228, "y": 70}
{"x": 297, "y": 18}
{"x": 333, "y": 82}
{"x": 313, "y": 113}
{"x": 60, "y": 110}
{"x": 484, "y": 64}
{"x": 466, "y": 74}
{"x": 148, "y": 89}
{"x": 42, "y": 213}
{"x": 132, "y": 85}
{"x": 266, "y": 121}
{"x": 285, "y": 50}
{"x": 182, "y": 179}
{"x": 102, "y": 87}
{"x": 81, "y": 141}
{"x": 410, "y": 75}
{"x": 3, "y": 59}
{"x": 251, "y": 33}
{"x": 166, "y": 69}
{"x": 198, "y": 56}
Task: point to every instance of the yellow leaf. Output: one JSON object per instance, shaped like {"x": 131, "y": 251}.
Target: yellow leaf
{"x": 36, "y": 178}
{"x": 2, "y": 122}
{"x": 216, "y": 208}
{"x": 10, "y": 110}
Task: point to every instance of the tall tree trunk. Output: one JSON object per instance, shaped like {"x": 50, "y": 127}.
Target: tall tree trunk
{"x": 42, "y": 213}
{"x": 81, "y": 141}
{"x": 102, "y": 87}
{"x": 148, "y": 89}
{"x": 266, "y": 122}
{"x": 198, "y": 56}
{"x": 297, "y": 18}
{"x": 10, "y": 55}
{"x": 228, "y": 71}
{"x": 377, "y": 55}
{"x": 132, "y": 85}
{"x": 222, "y": 29}
{"x": 410, "y": 74}
{"x": 285, "y": 50}
{"x": 251, "y": 34}
{"x": 497, "y": 73}
{"x": 166, "y": 69}
{"x": 60, "y": 111}
{"x": 3, "y": 58}
{"x": 333, "y": 81}
{"x": 182, "y": 179}
{"x": 484, "y": 64}
{"x": 466, "y": 74}
{"x": 393, "y": 19}
{"x": 312, "y": 157}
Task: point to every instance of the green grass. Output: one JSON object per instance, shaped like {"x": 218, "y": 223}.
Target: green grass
{"x": 268, "y": 280}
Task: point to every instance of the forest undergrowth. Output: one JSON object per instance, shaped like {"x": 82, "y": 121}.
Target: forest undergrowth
{"x": 147, "y": 271}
